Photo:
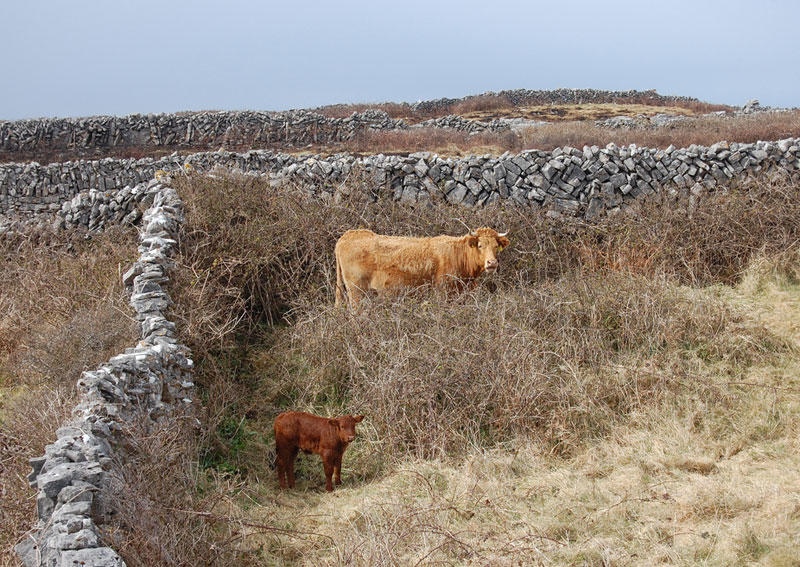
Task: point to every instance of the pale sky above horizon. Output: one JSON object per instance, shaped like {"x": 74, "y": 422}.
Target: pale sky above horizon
{"x": 87, "y": 57}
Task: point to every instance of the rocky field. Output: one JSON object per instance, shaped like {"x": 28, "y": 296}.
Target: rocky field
{"x": 624, "y": 391}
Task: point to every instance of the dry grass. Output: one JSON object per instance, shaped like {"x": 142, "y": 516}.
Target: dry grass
{"x": 581, "y": 373}
{"x": 694, "y": 106}
{"x": 250, "y": 257}
{"x": 520, "y": 507}
{"x": 713, "y": 242}
{"x": 64, "y": 311}
{"x": 444, "y": 141}
{"x": 481, "y": 105}
{"x": 575, "y": 127}
{"x": 500, "y": 106}
{"x": 164, "y": 512}
{"x": 570, "y": 125}
{"x": 705, "y": 473}
{"x": 560, "y": 363}
{"x": 583, "y": 406}
{"x": 703, "y": 131}
{"x": 576, "y": 112}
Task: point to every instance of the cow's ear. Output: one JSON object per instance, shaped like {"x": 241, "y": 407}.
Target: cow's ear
{"x": 473, "y": 241}
{"x": 503, "y": 241}
{"x": 334, "y": 422}
{"x": 358, "y": 418}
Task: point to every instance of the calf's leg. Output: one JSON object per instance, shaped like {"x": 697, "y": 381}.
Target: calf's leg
{"x": 281, "y": 456}
{"x": 281, "y": 473}
{"x": 337, "y": 470}
{"x": 290, "y": 466}
{"x": 327, "y": 463}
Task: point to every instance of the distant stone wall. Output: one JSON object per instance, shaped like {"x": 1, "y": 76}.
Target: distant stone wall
{"x": 151, "y": 381}
{"x": 295, "y": 128}
{"x": 585, "y": 182}
{"x": 521, "y": 97}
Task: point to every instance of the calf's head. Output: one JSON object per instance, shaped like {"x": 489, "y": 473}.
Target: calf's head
{"x": 485, "y": 244}
{"x": 346, "y": 426}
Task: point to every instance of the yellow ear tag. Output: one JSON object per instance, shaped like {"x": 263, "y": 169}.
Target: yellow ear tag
{"x": 499, "y": 248}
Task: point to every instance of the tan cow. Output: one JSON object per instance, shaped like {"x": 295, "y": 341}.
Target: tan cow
{"x": 368, "y": 261}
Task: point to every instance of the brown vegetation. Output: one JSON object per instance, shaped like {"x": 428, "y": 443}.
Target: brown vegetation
{"x": 64, "y": 311}
{"x": 574, "y": 127}
{"x": 577, "y": 112}
{"x": 703, "y": 131}
{"x": 590, "y": 335}
{"x": 584, "y": 334}
{"x": 444, "y": 141}
{"x": 481, "y": 104}
{"x": 269, "y": 257}
{"x": 694, "y": 106}
{"x": 489, "y": 106}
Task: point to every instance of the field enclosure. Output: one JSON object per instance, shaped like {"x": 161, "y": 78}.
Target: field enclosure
{"x": 623, "y": 391}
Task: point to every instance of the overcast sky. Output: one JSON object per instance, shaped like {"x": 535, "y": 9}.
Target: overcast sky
{"x": 88, "y": 57}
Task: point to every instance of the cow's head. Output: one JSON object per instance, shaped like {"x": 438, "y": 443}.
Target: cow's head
{"x": 346, "y": 426}
{"x": 485, "y": 243}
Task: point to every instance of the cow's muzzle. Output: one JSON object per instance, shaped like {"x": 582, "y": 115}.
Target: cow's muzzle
{"x": 491, "y": 266}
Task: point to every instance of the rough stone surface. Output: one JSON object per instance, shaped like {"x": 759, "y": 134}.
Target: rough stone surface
{"x": 32, "y": 193}
{"x": 293, "y": 128}
{"x": 149, "y": 382}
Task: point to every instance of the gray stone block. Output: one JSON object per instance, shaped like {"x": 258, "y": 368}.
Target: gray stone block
{"x": 95, "y": 557}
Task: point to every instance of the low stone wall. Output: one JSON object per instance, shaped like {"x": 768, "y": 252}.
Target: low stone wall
{"x": 153, "y": 379}
{"x": 295, "y": 128}
{"x": 150, "y": 382}
{"x": 521, "y": 97}
{"x": 584, "y": 182}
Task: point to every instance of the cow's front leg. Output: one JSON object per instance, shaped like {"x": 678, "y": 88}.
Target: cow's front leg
{"x": 354, "y": 295}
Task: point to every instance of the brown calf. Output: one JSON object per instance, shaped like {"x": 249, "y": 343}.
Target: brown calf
{"x": 328, "y": 438}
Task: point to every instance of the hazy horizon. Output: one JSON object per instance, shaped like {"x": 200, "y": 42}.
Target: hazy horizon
{"x": 91, "y": 58}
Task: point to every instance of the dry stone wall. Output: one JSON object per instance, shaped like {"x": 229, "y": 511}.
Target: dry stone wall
{"x": 585, "y": 182}
{"x": 149, "y": 382}
{"x": 153, "y": 379}
{"x": 295, "y": 128}
{"x": 521, "y": 97}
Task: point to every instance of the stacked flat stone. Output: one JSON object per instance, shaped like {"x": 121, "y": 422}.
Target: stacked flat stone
{"x": 150, "y": 381}
{"x": 641, "y": 122}
{"x": 522, "y": 97}
{"x": 583, "y": 181}
{"x": 293, "y": 128}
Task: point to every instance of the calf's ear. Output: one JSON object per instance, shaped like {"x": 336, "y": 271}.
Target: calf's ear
{"x": 472, "y": 241}
{"x": 358, "y": 418}
{"x": 503, "y": 241}
{"x": 333, "y": 422}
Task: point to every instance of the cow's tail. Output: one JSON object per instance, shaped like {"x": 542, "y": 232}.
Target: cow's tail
{"x": 339, "y": 280}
